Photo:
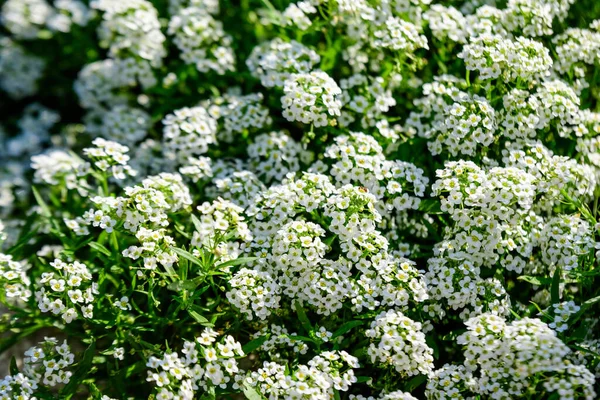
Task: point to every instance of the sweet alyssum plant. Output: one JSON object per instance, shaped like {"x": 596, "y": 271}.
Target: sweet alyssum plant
{"x": 316, "y": 199}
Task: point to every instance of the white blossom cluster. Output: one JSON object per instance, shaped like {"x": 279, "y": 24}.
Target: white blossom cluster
{"x": 188, "y": 132}
{"x": 14, "y": 279}
{"x": 58, "y": 167}
{"x": 67, "y": 290}
{"x": 400, "y": 344}
{"x": 47, "y": 364}
{"x": 493, "y": 56}
{"x": 236, "y": 114}
{"x": 203, "y": 363}
{"x": 562, "y": 312}
{"x": 19, "y": 70}
{"x": 304, "y": 199}
{"x": 202, "y": 40}
{"x": 294, "y": 254}
{"x": 366, "y": 99}
{"x": 324, "y": 374}
{"x": 528, "y": 346}
{"x": 111, "y": 155}
{"x": 99, "y": 84}
{"x": 311, "y": 98}
{"x": 123, "y": 124}
{"x": 273, "y": 62}
{"x": 131, "y": 29}
{"x": 564, "y": 239}
{"x": 275, "y": 154}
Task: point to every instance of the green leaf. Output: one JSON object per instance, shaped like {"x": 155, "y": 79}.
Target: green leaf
{"x": 13, "y": 366}
{"x": 197, "y": 223}
{"x": 430, "y": 206}
{"x": 7, "y": 343}
{"x": 134, "y": 369}
{"x": 237, "y": 261}
{"x": 534, "y": 280}
{"x": 171, "y": 272}
{"x": 199, "y": 318}
{"x": 254, "y": 344}
{"x": 38, "y": 198}
{"x": 555, "y": 288}
{"x": 301, "y": 338}
{"x": 251, "y": 393}
{"x": 188, "y": 256}
{"x": 100, "y": 248}
{"x": 82, "y": 370}
{"x": 302, "y": 317}
{"x": 347, "y": 327}
{"x": 415, "y": 383}
{"x": 583, "y": 309}
{"x": 24, "y": 239}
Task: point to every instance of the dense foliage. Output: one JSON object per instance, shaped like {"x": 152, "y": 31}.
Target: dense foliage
{"x": 320, "y": 199}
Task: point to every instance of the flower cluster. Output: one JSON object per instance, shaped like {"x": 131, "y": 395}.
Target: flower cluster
{"x": 48, "y": 362}
{"x": 311, "y": 98}
{"x": 519, "y": 356}
{"x": 273, "y": 62}
{"x": 399, "y": 343}
{"x": 14, "y": 279}
{"x": 493, "y": 56}
{"x": 60, "y": 168}
{"x": 68, "y": 290}
{"x": 237, "y": 115}
{"x": 202, "y": 40}
{"x": 562, "y": 312}
{"x": 564, "y": 239}
{"x": 188, "y": 132}
{"x": 107, "y": 155}
{"x": 131, "y": 28}
{"x": 344, "y": 199}
{"x": 123, "y": 124}
{"x": 274, "y": 155}
{"x": 254, "y": 293}
{"x": 19, "y": 70}
{"x": 324, "y": 374}
{"x": 204, "y": 363}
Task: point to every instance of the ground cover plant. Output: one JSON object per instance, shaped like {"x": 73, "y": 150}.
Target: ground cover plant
{"x": 316, "y": 199}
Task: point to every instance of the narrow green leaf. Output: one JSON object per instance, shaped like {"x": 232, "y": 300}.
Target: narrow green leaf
{"x": 251, "y": 393}
{"x": 555, "y": 288}
{"x": 6, "y": 344}
{"x": 24, "y": 239}
{"x": 82, "y": 370}
{"x": 583, "y": 309}
{"x": 196, "y": 222}
{"x": 415, "y": 383}
{"x": 38, "y": 198}
{"x": 237, "y": 261}
{"x": 348, "y": 326}
{"x": 13, "y": 366}
{"x": 188, "y": 256}
{"x": 535, "y": 280}
{"x": 254, "y": 344}
{"x": 199, "y": 318}
{"x": 301, "y": 338}
{"x": 302, "y": 317}
{"x": 431, "y": 206}
{"x": 100, "y": 248}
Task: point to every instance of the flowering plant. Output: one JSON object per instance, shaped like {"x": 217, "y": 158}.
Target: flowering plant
{"x": 299, "y": 199}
